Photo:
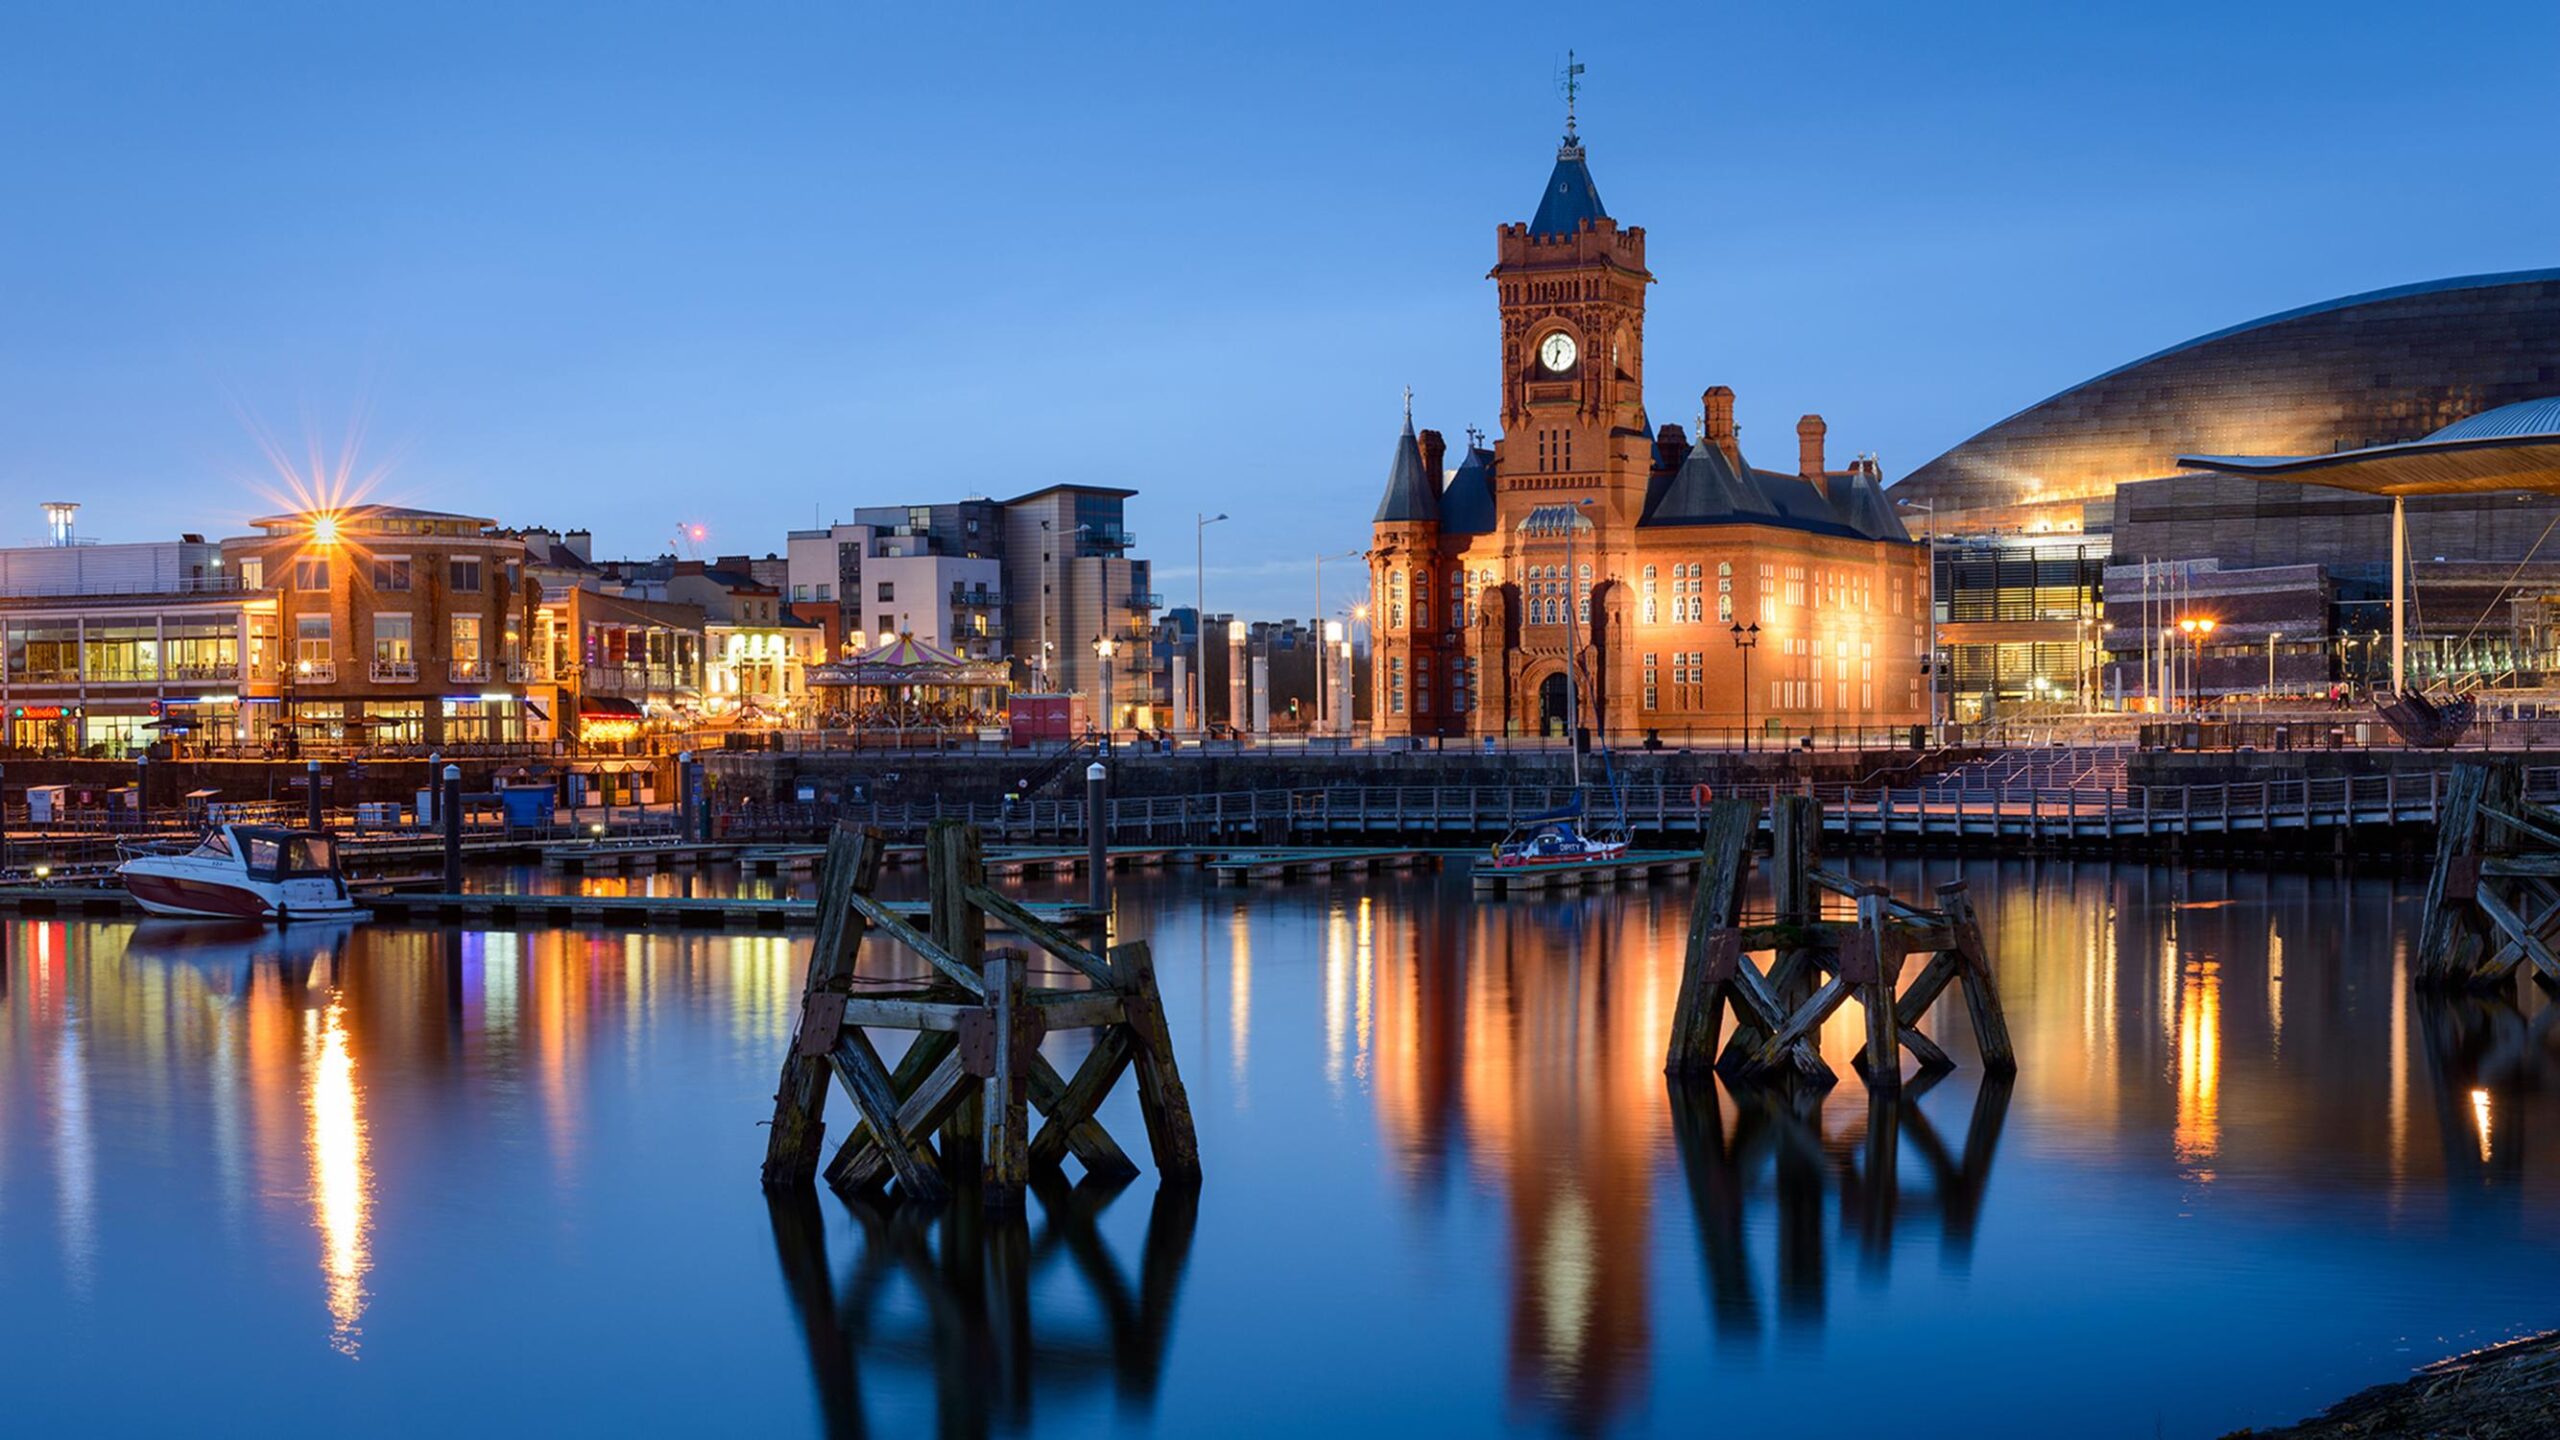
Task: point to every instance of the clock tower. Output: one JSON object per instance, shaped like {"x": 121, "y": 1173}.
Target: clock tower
{"x": 1570, "y": 285}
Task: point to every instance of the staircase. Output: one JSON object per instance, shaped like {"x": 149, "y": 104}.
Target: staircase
{"x": 1057, "y": 764}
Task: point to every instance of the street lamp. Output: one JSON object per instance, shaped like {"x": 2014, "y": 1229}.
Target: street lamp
{"x": 2196, "y": 628}
{"x": 1105, "y": 647}
{"x": 1200, "y": 619}
{"x": 1746, "y": 640}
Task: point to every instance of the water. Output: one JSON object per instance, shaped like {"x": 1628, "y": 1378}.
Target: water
{"x": 409, "y": 1181}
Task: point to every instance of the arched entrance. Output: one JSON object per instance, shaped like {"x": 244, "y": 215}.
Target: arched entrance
{"x": 1553, "y": 705}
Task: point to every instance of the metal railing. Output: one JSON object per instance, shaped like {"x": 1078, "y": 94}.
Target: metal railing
{"x": 392, "y": 672}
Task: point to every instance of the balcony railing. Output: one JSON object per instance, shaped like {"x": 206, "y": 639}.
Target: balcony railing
{"x": 218, "y": 670}
{"x": 1145, "y": 600}
{"x": 394, "y": 672}
{"x": 528, "y": 672}
{"x": 976, "y": 599}
{"x": 314, "y": 672}
{"x": 469, "y": 672}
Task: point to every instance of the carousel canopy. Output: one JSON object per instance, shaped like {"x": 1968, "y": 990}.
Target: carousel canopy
{"x": 908, "y": 661}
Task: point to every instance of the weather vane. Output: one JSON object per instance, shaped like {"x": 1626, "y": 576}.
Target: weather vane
{"x": 1408, "y": 407}
{"x": 1571, "y": 84}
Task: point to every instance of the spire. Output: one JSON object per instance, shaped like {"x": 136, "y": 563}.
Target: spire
{"x": 1570, "y": 196}
{"x": 1413, "y": 494}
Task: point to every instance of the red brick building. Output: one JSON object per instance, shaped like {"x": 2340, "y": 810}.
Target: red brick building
{"x": 1585, "y": 535}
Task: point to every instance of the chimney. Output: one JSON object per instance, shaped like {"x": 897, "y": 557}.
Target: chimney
{"x": 1434, "y": 450}
{"x": 1671, "y": 448}
{"x": 580, "y": 543}
{"x": 1716, "y": 424}
{"x": 1809, "y": 433}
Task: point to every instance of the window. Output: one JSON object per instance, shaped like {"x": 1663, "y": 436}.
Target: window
{"x": 1395, "y": 686}
{"x": 311, "y": 641}
{"x": 463, "y": 576}
{"x": 888, "y": 592}
{"x": 466, "y": 640}
{"x": 122, "y": 652}
{"x": 311, "y": 573}
{"x": 391, "y": 572}
{"x": 1652, "y": 682}
{"x": 887, "y": 625}
{"x": 391, "y": 639}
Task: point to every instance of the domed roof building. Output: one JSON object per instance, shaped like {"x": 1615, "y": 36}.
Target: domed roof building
{"x": 2365, "y": 371}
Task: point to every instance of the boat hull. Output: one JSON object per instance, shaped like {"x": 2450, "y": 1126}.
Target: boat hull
{"x": 1547, "y": 862}
{"x": 200, "y": 898}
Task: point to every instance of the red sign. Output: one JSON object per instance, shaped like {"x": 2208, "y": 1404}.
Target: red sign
{"x": 45, "y": 712}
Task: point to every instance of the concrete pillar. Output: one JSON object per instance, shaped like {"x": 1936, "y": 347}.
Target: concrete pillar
{"x": 1342, "y": 689}
{"x": 1181, "y": 692}
{"x": 1261, "y": 701}
{"x": 1236, "y": 703}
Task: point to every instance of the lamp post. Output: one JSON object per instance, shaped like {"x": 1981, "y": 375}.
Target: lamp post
{"x": 1746, "y": 639}
{"x": 2196, "y": 628}
{"x": 1931, "y": 662}
{"x": 1315, "y": 624}
{"x": 1105, "y": 647}
{"x": 2272, "y": 637}
{"x": 1200, "y": 619}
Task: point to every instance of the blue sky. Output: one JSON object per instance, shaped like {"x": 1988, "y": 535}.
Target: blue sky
{"x": 627, "y": 266}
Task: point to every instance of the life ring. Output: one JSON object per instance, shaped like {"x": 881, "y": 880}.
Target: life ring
{"x": 1702, "y": 794}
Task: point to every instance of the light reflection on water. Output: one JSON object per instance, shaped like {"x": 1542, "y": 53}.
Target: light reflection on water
{"x": 1448, "y": 1186}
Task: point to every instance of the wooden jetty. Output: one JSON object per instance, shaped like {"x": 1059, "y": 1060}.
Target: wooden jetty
{"x": 972, "y": 1073}
{"x": 2493, "y": 899}
{"x": 1818, "y": 965}
{"x": 1634, "y": 868}
{"x": 1242, "y": 866}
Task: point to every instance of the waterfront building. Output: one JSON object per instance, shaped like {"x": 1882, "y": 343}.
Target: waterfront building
{"x": 1071, "y": 582}
{"x": 1642, "y": 560}
{"x": 2019, "y": 624}
{"x": 756, "y": 657}
{"x": 914, "y": 571}
{"x": 2373, "y": 369}
{"x": 620, "y": 664}
{"x": 394, "y": 626}
{"x": 112, "y": 648}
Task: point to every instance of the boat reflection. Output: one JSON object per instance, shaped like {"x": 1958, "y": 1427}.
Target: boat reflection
{"x": 998, "y": 1314}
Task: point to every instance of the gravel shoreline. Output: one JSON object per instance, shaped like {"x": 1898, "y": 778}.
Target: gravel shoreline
{"x": 2506, "y": 1392}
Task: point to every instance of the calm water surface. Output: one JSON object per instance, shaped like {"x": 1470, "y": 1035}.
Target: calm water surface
{"x": 411, "y": 1181}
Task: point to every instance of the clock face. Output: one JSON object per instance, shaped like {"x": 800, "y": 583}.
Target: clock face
{"x": 1556, "y": 352}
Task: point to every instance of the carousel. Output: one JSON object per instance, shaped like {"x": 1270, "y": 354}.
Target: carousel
{"x": 906, "y": 688}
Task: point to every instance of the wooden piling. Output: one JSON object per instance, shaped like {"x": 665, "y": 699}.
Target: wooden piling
{"x": 1697, "y": 1019}
{"x": 960, "y": 1106}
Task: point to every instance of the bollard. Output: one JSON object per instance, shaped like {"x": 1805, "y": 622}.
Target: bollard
{"x": 311, "y": 795}
{"x": 1097, "y": 828}
{"x": 142, "y": 792}
{"x": 449, "y": 810}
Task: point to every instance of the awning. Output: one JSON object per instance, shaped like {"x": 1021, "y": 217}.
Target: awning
{"x": 607, "y": 707}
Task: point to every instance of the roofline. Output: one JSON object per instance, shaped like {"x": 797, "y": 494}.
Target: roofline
{"x": 2345, "y": 302}
{"x": 2299, "y": 464}
{"x": 1112, "y": 490}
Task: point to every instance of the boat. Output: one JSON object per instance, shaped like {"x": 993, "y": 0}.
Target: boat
{"x": 1555, "y": 838}
{"x": 244, "y": 872}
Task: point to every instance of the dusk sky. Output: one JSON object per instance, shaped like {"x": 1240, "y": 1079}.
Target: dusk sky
{"x": 630, "y": 266}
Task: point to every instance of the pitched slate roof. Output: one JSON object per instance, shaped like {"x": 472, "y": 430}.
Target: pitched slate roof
{"x": 1714, "y": 486}
{"x": 1411, "y": 495}
{"x": 1570, "y": 196}
{"x": 1466, "y": 507}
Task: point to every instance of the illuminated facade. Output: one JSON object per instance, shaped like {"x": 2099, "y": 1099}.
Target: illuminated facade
{"x": 393, "y": 626}
{"x": 1584, "y": 538}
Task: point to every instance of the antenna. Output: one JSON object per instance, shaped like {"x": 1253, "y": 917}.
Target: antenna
{"x": 1571, "y": 85}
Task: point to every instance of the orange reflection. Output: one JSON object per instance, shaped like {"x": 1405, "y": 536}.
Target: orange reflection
{"x": 341, "y": 1182}
{"x": 2198, "y": 1134}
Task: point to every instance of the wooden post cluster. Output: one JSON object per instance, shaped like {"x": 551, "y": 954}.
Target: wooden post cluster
{"x": 964, "y": 1094}
{"x": 2493, "y": 899}
{"x": 1820, "y": 965}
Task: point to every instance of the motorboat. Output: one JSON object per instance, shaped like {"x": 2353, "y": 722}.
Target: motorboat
{"x": 1555, "y": 838}
{"x": 244, "y": 872}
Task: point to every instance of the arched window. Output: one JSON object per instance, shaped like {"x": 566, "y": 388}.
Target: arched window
{"x": 1649, "y": 572}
